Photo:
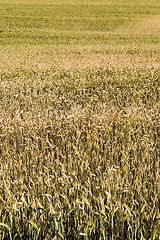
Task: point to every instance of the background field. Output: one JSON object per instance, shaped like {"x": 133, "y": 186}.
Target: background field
{"x": 79, "y": 119}
{"x": 50, "y": 34}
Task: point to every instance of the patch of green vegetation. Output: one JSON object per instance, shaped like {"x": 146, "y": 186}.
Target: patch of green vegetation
{"x": 40, "y": 23}
{"x": 72, "y": 38}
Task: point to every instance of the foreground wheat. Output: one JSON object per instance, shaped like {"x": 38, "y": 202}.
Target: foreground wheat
{"x": 79, "y": 154}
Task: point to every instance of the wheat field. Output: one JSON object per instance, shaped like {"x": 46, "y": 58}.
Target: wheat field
{"x": 79, "y": 120}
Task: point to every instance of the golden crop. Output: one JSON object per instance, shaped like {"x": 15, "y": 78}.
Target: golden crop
{"x": 79, "y": 120}
{"x": 79, "y": 154}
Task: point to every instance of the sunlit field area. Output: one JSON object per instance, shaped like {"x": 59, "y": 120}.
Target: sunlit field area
{"x": 79, "y": 120}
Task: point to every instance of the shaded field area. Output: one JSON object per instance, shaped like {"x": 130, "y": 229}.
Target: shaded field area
{"x": 79, "y": 120}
